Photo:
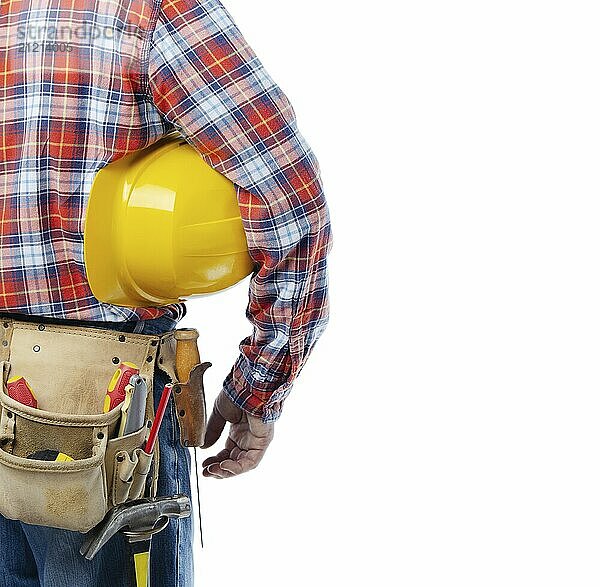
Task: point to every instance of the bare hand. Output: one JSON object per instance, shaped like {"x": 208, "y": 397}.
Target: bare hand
{"x": 246, "y": 444}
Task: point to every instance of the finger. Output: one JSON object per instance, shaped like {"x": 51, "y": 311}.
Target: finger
{"x": 214, "y": 428}
{"x": 213, "y": 471}
{"x": 245, "y": 463}
{"x": 232, "y": 467}
{"x": 220, "y": 456}
{"x": 236, "y": 452}
{"x": 217, "y": 472}
{"x": 206, "y": 473}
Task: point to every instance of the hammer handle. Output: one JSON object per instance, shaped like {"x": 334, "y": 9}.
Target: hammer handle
{"x": 187, "y": 355}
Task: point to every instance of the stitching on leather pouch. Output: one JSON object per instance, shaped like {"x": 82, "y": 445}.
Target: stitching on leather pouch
{"x": 115, "y": 474}
{"x": 66, "y": 421}
{"x": 117, "y": 479}
{"x": 137, "y": 339}
{"x": 5, "y": 349}
{"x": 95, "y": 336}
{"x": 59, "y": 468}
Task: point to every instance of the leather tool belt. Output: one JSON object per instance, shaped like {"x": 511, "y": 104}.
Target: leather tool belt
{"x": 69, "y": 368}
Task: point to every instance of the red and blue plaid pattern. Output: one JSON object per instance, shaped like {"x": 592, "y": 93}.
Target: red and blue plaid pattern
{"x": 135, "y": 71}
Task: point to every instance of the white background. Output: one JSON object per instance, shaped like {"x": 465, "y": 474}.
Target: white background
{"x": 445, "y": 430}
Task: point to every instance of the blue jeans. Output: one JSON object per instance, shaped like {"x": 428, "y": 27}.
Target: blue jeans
{"x": 35, "y": 556}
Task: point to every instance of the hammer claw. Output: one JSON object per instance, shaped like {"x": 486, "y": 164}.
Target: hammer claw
{"x": 141, "y": 517}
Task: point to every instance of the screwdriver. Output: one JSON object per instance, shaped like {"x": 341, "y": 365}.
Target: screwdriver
{"x": 115, "y": 393}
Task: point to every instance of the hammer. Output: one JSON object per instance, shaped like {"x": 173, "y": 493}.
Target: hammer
{"x": 138, "y": 521}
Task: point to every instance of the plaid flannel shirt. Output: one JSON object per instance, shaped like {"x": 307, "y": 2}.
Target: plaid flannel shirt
{"x": 85, "y": 83}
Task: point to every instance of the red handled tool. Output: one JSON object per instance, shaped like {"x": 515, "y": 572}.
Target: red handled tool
{"x": 158, "y": 418}
{"x": 18, "y": 389}
{"x": 115, "y": 393}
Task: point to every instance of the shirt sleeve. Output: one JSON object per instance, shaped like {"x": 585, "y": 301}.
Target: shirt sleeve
{"x": 208, "y": 83}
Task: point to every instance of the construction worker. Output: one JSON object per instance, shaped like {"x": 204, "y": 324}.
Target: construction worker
{"x": 83, "y": 85}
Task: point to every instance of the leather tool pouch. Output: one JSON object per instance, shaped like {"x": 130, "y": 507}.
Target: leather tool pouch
{"x": 189, "y": 396}
{"x": 191, "y": 407}
{"x": 69, "y": 368}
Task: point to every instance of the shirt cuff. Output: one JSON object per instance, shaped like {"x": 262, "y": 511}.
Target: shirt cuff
{"x": 253, "y": 398}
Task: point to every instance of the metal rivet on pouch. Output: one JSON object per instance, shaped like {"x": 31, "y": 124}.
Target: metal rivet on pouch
{"x": 177, "y": 388}
{"x": 5, "y": 324}
{"x": 41, "y": 327}
{"x": 100, "y": 435}
{"x": 154, "y": 342}
{"x": 5, "y": 343}
{"x": 36, "y": 348}
{"x": 182, "y": 413}
{"x": 116, "y": 360}
{"x": 149, "y": 359}
{"x": 9, "y": 414}
{"x": 120, "y": 458}
{"x": 121, "y": 338}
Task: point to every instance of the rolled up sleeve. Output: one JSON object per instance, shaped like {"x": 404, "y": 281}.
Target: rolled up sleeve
{"x": 208, "y": 83}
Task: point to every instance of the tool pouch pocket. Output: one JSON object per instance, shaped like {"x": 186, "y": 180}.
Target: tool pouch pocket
{"x": 191, "y": 407}
{"x": 127, "y": 467}
{"x": 188, "y": 395}
{"x": 50, "y": 490}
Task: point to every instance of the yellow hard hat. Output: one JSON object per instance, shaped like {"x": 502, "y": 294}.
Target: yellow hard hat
{"x": 162, "y": 225}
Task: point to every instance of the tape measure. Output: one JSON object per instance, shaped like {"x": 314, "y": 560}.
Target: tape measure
{"x": 50, "y": 455}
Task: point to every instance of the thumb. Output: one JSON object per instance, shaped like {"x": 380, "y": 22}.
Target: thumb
{"x": 214, "y": 428}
